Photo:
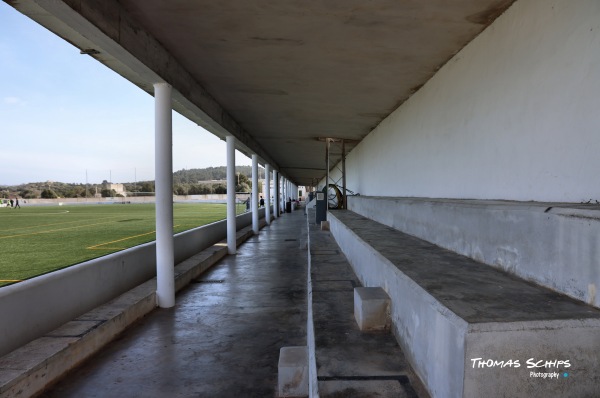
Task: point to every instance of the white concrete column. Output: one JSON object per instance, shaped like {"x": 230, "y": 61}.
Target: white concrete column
{"x": 254, "y": 203}
{"x": 275, "y": 194}
{"x": 267, "y": 193}
{"x": 163, "y": 170}
{"x": 231, "y": 227}
{"x": 282, "y": 198}
{"x": 285, "y": 194}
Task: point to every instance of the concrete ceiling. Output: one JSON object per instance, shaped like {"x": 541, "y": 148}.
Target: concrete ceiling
{"x": 276, "y": 74}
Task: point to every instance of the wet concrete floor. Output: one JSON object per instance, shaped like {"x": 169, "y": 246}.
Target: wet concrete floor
{"x": 222, "y": 338}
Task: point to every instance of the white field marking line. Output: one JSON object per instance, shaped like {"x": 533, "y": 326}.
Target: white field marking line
{"x": 53, "y": 213}
{"x": 54, "y": 230}
{"x": 96, "y": 247}
{"x": 59, "y": 223}
{"x": 47, "y": 225}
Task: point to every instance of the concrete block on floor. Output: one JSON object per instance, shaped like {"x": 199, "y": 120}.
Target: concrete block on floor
{"x": 293, "y": 372}
{"x": 372, "y": 308}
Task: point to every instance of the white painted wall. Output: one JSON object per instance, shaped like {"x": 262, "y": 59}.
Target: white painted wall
{"x": 514, "y": 115}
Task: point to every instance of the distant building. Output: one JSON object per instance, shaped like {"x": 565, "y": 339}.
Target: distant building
{"x": 118, "y": 188}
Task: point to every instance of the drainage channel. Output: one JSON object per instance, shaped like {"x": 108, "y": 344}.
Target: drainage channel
{"x": 402, "y": 379}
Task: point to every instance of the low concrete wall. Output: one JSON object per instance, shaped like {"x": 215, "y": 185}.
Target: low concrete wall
{"x": 212, "y": 198}
{"x": 36, "y": 306}
{"x": 554, "y": 245}
{"x": 29, "y": 369}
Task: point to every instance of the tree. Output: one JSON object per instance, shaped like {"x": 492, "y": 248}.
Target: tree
{"x": 146, "y": 187}
{"x": 180, "y": 189}
{"x": 48, "y": 194}
{"x": 29, "y": 194}
{"x": 108, "y": 193}
{"x": 243, "y": 187}
{"x": 242, "y": 178}
{"x": 200, "y": 189}
{"x": 76, "y": 191}
{"x": 205, "y": 189}
{"x": 244, "y": 184}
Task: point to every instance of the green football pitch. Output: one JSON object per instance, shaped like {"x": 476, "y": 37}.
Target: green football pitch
{"x": 39, "y": 239}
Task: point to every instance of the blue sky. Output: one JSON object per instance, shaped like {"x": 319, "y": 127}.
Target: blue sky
{"x": 62, "y": 113}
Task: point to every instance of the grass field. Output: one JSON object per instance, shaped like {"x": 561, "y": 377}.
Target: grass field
{"x": 37, "y": 240}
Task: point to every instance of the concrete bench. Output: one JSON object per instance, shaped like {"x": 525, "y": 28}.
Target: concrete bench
{"x": 469, "y": 329}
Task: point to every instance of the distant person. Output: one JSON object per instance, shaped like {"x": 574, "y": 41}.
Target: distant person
{"x": 262, "y": 202}
{"x": 248, "y": 204}
{"x": 11, "y": 203}
{"x": 17, "y": 203}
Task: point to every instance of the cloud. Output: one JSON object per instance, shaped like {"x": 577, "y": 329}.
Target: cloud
{"x": 13, "y": 101}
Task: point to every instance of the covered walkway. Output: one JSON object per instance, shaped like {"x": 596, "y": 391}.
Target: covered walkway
{"x": 223, "y": 336}
{"x": 467, "y": 126}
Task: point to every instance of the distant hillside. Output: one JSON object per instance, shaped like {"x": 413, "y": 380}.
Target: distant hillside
{"x": 185, "y": 182}
{"x": 210, "y": 174}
